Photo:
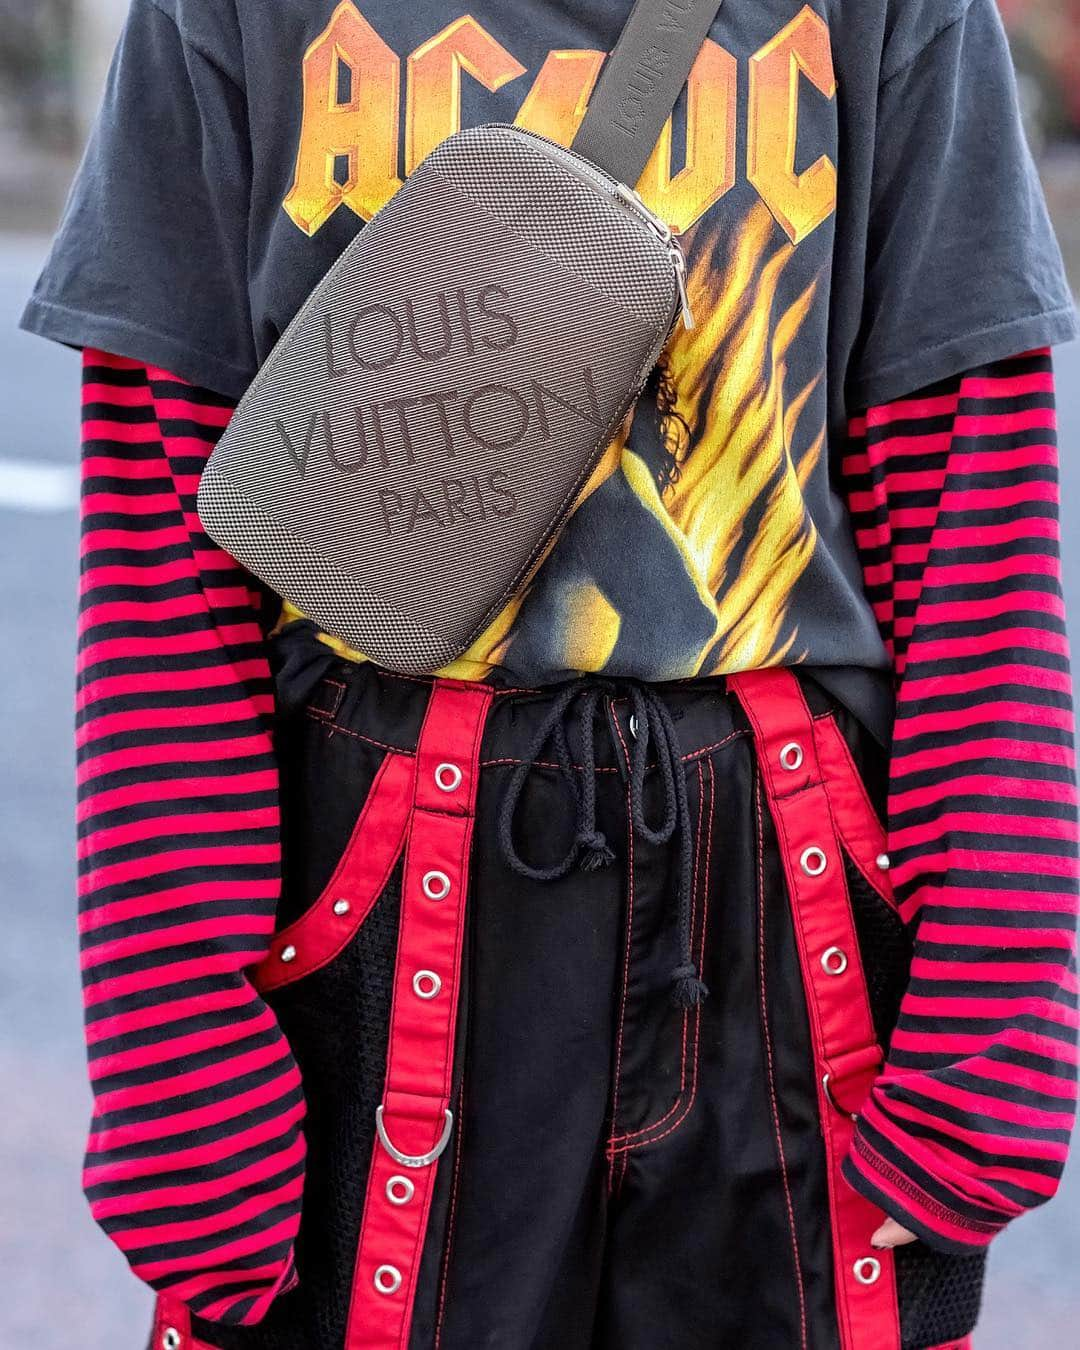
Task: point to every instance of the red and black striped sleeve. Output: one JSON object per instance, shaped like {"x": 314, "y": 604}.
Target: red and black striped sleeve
{"x": 954, "y": 499}
{"x": 195, "y": 1160}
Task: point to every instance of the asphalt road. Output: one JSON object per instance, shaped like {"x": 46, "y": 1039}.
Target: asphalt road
{"x": 63, "y": 1284}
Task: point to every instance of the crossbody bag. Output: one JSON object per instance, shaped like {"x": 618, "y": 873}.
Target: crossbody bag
{"x": 406, "y": 456}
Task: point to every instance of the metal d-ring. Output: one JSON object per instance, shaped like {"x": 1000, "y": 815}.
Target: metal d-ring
{"x": 826, "y": 1086}
{"x": 407, "y": 1159}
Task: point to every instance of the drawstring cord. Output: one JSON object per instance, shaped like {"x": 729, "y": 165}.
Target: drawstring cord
{"x": 589, "y": 850}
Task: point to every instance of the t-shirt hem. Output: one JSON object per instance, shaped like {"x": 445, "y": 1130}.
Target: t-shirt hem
{"x": 957, "y": 355}
{"x": 77, "y": 328}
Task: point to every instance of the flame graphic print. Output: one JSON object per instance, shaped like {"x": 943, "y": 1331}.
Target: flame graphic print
{"x": 738, "y": 500}
{"x": 732, "y": 516}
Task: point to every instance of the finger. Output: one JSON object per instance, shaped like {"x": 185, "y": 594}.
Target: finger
{"x": 891, "y": 1234}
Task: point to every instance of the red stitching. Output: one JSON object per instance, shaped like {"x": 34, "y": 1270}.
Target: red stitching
{"x": 542, "y": 764}
{"x": 626, "y": 960}
{"x": 621, "y": 1143}
{"x": 451, "y": 1221}
{"x": 328, "y": 713}
{"x": 689, "y": 1105}
{"x": 348, "y": 731}
{"x": 326, "y": 722}
{"x": 770, "y": 1069}
{"x": 716, "y": 745}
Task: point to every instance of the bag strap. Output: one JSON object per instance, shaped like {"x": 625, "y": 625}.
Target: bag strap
{"x": 640, "y": 83}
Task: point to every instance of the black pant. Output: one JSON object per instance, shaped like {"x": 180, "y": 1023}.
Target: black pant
{"x": 624, "y": 1172}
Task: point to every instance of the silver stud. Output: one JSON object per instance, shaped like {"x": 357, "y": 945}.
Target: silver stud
{"x": 341, "y": 907}
{"x": 633, "y": 725}
{"x": 813, "y": 861}
{"x": 170, "y": 1339}
{"x": 834, "y": 961}
{"x": 288, "y": 953}
{"x": 399, "y": 1190}
{"x": 435, "y": 885}
{"x": 447, "y": 777}
{"x": 883, "y": 861}
{"x": 388, "y": 1279}
{"x": 426, "y": 984}
{"x": 791, "y": 757}
{"x": 867, "y": 1270}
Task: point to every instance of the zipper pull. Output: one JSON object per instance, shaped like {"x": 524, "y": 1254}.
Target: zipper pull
{"x": 666, "y": 235}
{"x": 679, "y": 263}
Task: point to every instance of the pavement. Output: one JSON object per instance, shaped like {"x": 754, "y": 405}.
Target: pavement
{"x": 64, "y": 1283}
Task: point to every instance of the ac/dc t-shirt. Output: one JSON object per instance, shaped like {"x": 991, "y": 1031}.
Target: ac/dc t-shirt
{"x": 859, "y": 209}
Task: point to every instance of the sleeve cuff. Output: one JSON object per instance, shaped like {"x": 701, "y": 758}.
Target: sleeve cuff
{"x": 942, "y": 1227}
{"x": 122, "y": 337}
{"x": 968, "y": 351}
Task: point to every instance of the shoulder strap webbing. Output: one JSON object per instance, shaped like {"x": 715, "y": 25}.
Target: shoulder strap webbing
{"x": 640, "y": 83}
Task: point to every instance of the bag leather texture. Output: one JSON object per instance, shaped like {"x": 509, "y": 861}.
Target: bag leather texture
{"x": 407, "y": 454}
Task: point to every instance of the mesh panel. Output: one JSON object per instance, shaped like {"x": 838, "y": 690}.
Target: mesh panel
{"x": 940, "y": 1295}
{"x": 885, "y": 948}
{"x": 336, "y": 1021}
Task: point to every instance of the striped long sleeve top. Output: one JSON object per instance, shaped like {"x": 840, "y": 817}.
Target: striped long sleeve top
{"x": 954, "y": 499}
{"x": 195, "y": 1158}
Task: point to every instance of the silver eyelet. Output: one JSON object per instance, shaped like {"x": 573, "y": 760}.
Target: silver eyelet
{"x": 400, "y": 1190}
{"x": 426, "y": 984}
{"x": 448, "y": 777}
{"x": 388, "y": 1279}
{"x": 791, "y": 757}
{"x": 867, "y": 1270}
{"x": 633, "y": 724}
{"x": 341, "y": 907}
{"x": 170, "y": 1339}
{"x": 813, "y": 861}
{"x": 435, "y": 885}
{"x": 288, "y": 953}
{"x": 834, "y": 961}
{"x": 883, "y": 861}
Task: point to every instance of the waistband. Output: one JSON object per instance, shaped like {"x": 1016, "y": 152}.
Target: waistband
{"x": 388, "y": 708}
{"x": 649, "y": 726}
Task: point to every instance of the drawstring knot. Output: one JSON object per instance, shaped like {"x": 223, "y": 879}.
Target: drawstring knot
{"x": 596, "y": 852}
{"x": 590, "y": 850}
{"x": 687, "y": 987}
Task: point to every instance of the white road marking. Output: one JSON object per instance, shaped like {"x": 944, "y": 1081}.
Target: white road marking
{"x": 33, "y": 485}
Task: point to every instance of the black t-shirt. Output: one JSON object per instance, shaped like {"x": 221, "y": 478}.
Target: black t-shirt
{"x": 861, "y": 216}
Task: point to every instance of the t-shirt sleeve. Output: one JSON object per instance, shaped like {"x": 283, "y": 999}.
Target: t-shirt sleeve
{"x": 150, "y": 259}
{"x": 962, "y": 265}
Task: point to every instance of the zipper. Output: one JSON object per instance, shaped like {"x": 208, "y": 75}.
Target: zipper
{"x": 611, "y": 187}
{"x": 664, "y": 233}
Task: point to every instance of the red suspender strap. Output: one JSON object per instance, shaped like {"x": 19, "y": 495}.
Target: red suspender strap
{"x": 172, "y": 1327}
{"x": 845, "y": 1046}
{"x": 414, "y": 1121}
{"x": 325, "y": 929}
